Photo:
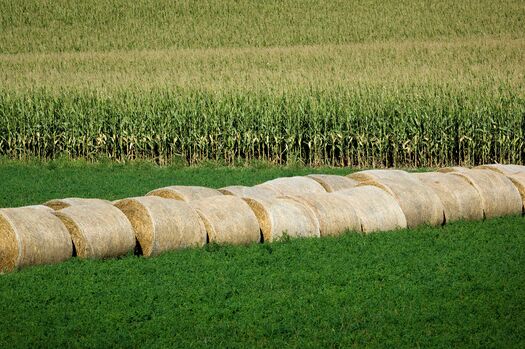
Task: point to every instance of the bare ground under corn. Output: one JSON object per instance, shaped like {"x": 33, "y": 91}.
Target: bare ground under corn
{"x": 345, "y": 83}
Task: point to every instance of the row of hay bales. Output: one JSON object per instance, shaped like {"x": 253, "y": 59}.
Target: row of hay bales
{"x": 312, "y": 206}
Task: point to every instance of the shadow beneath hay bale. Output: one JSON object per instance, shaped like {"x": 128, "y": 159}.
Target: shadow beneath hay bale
{"x": 138, "y": 249}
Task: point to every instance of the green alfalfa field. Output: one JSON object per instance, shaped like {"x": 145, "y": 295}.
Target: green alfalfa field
{"x": 245, "y": 92}
{"x": 458, "y": 285}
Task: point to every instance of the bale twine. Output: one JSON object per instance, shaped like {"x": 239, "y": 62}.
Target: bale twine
{"x": 333, "y": 183}
{"x": 32, "y": 235}
{"x": 98, "y": 231}
{"x": 377, "y": 210}
{"x": 519, "y": 182}
{"x": 499, "y": 197}
{"x": 335, "y": 213}
{"x": 59, "y": 204}
{"x": 184, "y": 193}
{"x": 504, "y": 169}
{"x": 420, "y": 204}
{"x": 293, "y": 185}
{"x": 162, "y": 225}
{"x": 249, "y": 192}
{"x": 228, "y": 219}
{"x": 461, "y": 201}
{"x": 279, "y": 216}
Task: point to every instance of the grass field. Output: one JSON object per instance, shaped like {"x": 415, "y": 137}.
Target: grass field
{"x": 364, "y": 83}
{"x": 460, "y": 285}
{"x": 34, "y": 182}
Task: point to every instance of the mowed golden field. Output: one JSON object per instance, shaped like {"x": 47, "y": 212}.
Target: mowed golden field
{"x": 361, "y": 83}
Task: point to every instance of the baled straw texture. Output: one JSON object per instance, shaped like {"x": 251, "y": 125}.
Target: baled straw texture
{"x": 184, "y": 193}
{"x": 98, "y": 231}
{"x": 499, "y": 197}
{"x": 293, "y": 185}
{"x": 377, "y": 210}
{"x": 519, "y": 182}
{"x": 504, "y": 169}
{"x": 335, "y": 213}
{"x": 249, "y": 192}
{"x": 59, "y": 204}
{"x": 453, "y": 169}
{"x": 162, "y": 225}
{"x": 32, "y": 235}
{"x": 228, "y": 219}
{"x": 279, "y": 216}
{"x": 461, "y": 201}
{"x": 419, "y": 203}
{"x": 333, "y": 183}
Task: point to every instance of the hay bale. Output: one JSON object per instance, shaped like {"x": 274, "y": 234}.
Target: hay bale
{"x": 162, "y": 225}
{"x": 228, "y": 219}
{"x": 335, "y": 213}
{"x": 420, "y": 204}
{"x": 284, "y": 215}
{"x": 376, "y": 209}
{"x": 504, "y": 169}
{"x": 461, "y": 201}
{"x": 98, "y": 231}
{"x": 333, "y": 183}
{"x": 32, "y": 235}
{"x": 293, "y": 185}
{"x": 499, "y": 197}
{"x": 184, "y": 193}
{"x": 453, "y": 169}
{"x": 59, "y": 204}
{"x": 519, "y": 182}
{"x": 249, "y": 192}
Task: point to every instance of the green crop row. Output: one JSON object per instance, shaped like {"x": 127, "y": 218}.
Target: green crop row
{"x": 101, "y": 25}
{"x": 368, "y": 127}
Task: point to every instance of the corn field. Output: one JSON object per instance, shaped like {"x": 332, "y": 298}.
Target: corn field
{"x": 338, "y": 127}
{"x": 341, "y": 83}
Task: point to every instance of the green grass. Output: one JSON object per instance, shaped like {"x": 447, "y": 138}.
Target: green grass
{"x": 34, "y": 182}
{"x": 457, "y": 286}
{"x": 460, "y": 285}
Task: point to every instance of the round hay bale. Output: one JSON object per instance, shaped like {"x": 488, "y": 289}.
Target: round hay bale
{"x": 333, "y": 183}
{"x": 279, "y": 216}
{"x": 376, "y": 209}
{"x": 228, "y": 219}
{"x": 420, "y": 204}
{"x": 32, "y": 235}
{"x": 98, "y": 231}
{"x": 453, "y": 169}
{"x": 184, "y": 193}
{"x": 504, "y": 169}
{"x": 499, "y": 197}
{"x": 461, "y": 201}
{"x": 162, "y": 225}
{"x": 249, "y": 192}
{"x": 293, "y": 185}
{"x": 519, "y": 182}
{"x": 59, "y": 204}
{"x": 335, "y": 213}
